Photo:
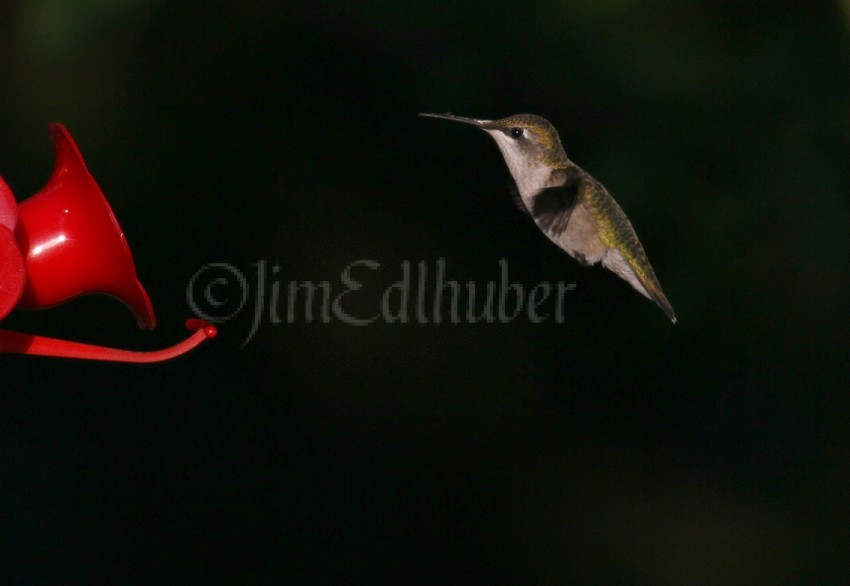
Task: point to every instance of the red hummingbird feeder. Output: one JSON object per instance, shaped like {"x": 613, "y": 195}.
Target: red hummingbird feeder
{"x": 65, "y": 242}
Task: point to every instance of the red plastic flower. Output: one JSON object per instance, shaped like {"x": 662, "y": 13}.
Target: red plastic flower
{"x": 65, "y": 242}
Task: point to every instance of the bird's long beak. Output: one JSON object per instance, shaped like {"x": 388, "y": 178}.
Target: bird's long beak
{"x": 464, "y": 119}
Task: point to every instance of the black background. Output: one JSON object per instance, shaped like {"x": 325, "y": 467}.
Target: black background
{"x": 612, "y": 448}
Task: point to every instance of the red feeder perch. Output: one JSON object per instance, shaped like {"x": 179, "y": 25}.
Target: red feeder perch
{"x": 64, "y": 242}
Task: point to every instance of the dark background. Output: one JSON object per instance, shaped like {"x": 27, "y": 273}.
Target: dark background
{"x": 613, "y": 448}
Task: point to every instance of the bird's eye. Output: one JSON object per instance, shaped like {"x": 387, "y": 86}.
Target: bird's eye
{"x": 516, "y": 132}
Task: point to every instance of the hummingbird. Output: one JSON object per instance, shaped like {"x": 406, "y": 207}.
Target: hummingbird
{"x": 572, "y": 208}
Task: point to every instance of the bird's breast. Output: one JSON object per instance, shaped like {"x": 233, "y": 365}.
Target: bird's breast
{"x": 531, "y": 179}
{"x": 581, "y": 237}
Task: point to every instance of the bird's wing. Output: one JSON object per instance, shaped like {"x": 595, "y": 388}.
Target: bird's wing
{"x": 517, "y": 198}
{"x": 553, "y": 207}
{"x": 626, "y": 253}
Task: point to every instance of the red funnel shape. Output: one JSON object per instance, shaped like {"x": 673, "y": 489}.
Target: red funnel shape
{"x": 72, "y": 243}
